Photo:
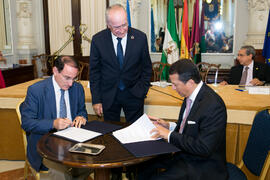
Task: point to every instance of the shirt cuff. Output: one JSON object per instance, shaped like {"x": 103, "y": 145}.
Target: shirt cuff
{"x": 172, "y": 126}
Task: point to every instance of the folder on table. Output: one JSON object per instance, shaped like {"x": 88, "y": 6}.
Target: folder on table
{"x": 137, "y": 139}
{"x": 101, "y": 127}
{"x": 150, "y": 148}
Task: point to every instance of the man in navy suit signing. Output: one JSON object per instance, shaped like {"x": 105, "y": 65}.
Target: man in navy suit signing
{"x": 43, "y": 112}
{"x": 200, "y": 132}
{"x": 120, "y": 68}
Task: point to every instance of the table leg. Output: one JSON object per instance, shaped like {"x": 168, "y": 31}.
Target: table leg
{"x": 102, "y": 174}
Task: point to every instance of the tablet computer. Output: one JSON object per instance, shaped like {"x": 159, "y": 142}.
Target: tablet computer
{"x": 93, "y": 149}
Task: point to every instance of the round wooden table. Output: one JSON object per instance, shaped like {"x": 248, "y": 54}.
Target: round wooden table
{"x": 114, "y": 155}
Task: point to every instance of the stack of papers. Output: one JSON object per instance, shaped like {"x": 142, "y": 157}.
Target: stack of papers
{"x": 161, "y": 83}
{"x": 77, "y": 134}
{"x": 136, "y": 132}
{"x": 136, "y": 138}
{"x": 259, "y": 90}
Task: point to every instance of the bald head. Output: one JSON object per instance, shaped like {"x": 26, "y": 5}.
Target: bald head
{"x": 114, "y": 12}
{"x": 116, "y": 18}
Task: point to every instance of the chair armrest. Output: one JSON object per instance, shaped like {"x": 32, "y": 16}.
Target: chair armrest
{"x": 266, "y": 167}
{"x": 241, "y": 164}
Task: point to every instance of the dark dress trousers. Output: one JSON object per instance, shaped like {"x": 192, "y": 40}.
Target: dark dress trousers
{"x": 38, "y": 112}
{"x": 260, "y": 71}
{"x": 202, "y": 143}
{"x": 105, "y": 72}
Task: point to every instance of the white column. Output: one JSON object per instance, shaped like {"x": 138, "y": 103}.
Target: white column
{"x": 258, "y": 16}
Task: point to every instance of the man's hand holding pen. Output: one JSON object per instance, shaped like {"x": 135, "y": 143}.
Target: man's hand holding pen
{"x": 61, "y": 123}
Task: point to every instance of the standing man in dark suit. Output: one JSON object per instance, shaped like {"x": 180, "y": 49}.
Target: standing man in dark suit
{"x": 200, "y": 132}
{"x": 248, "y": 72}
{"x": 43, "y": 112}
{"x": 120, "y": 68}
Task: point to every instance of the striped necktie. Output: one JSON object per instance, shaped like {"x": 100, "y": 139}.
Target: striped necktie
{"x": 63, "y": 107}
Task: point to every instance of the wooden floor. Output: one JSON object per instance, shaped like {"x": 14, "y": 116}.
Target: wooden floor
{"x": 13, "y": 170}
{"x": 10, "y": 165}
{"x": 16, "y": 174}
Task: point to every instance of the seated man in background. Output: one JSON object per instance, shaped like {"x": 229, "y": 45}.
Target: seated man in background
{"x": 200, "y": 132}
{"x": 249, "y": 72}
{"x": 50, "y": 105}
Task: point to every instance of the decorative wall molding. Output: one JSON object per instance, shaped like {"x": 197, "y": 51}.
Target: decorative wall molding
{"x": 24, "y": 22}
{"x": 258, "y": 5}
{"x": 134, "y": 6}
{"x": 258, "y": 16}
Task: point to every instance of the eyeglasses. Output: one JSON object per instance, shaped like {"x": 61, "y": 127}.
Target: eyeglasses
{"x": 119, "y": 27}
{"x": 67, "y": 78}
{"x": 241, "y": 55}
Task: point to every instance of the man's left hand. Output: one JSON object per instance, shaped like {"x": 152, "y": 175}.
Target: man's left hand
{"x": 78, "y": 121}
{"x": 256, "y": 82}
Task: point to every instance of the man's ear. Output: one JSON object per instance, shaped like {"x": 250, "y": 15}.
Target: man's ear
{"x": 55, "y": 70}
{"x": 190, "y": 82}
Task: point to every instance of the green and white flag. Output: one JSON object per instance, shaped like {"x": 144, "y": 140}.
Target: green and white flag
{"x": 170, "y": 52}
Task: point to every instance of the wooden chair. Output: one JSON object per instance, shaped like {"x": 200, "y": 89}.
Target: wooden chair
{"x": 204, "y": 69}
{"x": 28, "y": 170}
{"x": 83, "y": 67}
{"x": 43, "y": 58}
{"x": 255, "y": 163}
{"x": 158, "y": 68}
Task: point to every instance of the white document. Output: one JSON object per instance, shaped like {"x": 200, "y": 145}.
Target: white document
{"x": 259, "y": 90}
{"x": 161, "y": 83}
{"x": 77, "y": 134}
{"x": 136, "y": 132}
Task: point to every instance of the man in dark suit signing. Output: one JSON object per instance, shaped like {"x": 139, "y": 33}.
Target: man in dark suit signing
{"x": 120, "y": 68}
{"x": 53, "y": 104}
{"x": 200, "y": 132}
{"x": 249, "y": 72}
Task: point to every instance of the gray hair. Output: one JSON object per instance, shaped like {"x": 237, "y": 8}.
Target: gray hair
{"x": 119, "y": 6}
{"x": 250, "y": 50}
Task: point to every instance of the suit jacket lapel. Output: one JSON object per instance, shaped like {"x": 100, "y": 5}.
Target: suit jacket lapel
{"x": 129, "y": 46}
{"x": 255, "y": 70}
{"x": 196, "y": 103}
{"x": 50, "y": 98}
{"x": 193, "y": 109}
{"x": 180, "y": 118}
{"x": 71, "y": 101}
{"x": 108, "y": 40}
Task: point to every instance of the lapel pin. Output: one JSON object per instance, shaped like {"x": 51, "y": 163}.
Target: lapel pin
{"x": 257, "y": 68}
{"x": 132, "y": 37}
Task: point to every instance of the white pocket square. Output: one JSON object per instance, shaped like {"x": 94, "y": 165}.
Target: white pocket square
{"x": 191, "y": 122}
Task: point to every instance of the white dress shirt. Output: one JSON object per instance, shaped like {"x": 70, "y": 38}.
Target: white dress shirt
{"x": 57, "y": 92}
{"x": 123, "y": 43}
{"x": 192, "y": 97}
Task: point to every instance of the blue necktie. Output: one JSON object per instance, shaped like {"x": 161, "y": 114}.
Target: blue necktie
{"x": 120, "y": 55}
{"x": 63, "y": 108}
{"x": 120, "y": 58}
